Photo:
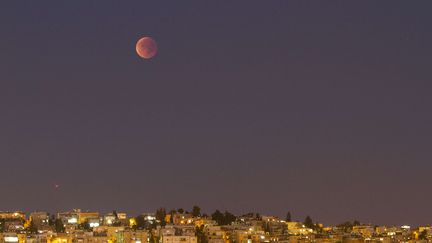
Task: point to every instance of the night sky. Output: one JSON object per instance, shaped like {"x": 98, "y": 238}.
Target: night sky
{"x": 321, "y": 108}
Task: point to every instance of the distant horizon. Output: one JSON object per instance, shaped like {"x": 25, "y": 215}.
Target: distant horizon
{"x": 294, "y": 219}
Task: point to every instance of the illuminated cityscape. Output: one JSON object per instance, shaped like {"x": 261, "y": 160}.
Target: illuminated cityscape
{"x": 182, "y": 226}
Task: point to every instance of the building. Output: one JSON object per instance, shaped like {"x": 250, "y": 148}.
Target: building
{"x": 216, "y": 235}
{"x": 297, "y": 228}
{"x": 12, "y": 238}
{"x": 84, "y": 216}
{"x": 69, "y": 218}
{"x": 366, "y": 231}
{"x": 182, "y": 218}
{"x": 12, "y": 221}
{"x": 40, "y": 220}
{"x": 178, "y": 239}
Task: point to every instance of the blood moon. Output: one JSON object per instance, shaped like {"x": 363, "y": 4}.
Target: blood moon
{"x": 146, "y": 47}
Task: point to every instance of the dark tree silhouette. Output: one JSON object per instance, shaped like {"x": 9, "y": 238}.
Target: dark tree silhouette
{"x": 288, "y": 217}
{"x": 51, "y": 220}
{"x": 160, "y": 216}
{"x": 2, "y": 225}
{"x": 423, "y": 235}
{"x": 218, "y": 217}
{"x": 223, "y": 218}
{"x": 172, "y": 212}
{"x": 59, "y": 227}
{"x": 116, "y": 219}
{"x": 140, "y": 222}
{"x": 347, "y": 226}
{"x": 32, "y": 227}
{"x": 200, "y": 234}
{"x": 308, "y": 222}
{"x": 229, "y": 218}
{"x": 152, "y": 237}
{"x": 196, "y": 211}
{"x": 84, "y": 226}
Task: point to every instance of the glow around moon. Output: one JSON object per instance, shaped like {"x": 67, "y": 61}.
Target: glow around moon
{"x": 146, "y": 47}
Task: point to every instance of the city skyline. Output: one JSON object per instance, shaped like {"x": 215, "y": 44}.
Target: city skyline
{"x": 318, "y": 108}
{"x": 194, "y": 226}
{"x": 288, "y": 217}
{"x": 195, "y": 211}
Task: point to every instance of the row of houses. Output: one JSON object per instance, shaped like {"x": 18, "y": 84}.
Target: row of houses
{"x": 79, "y": 226}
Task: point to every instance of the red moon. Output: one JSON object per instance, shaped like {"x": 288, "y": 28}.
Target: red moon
{"x": 146, "y": 47}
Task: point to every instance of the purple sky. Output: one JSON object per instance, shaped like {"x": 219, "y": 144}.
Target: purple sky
{"x": 318, "y": 108}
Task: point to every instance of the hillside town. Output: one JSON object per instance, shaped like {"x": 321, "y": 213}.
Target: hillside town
{"x": 182, "y": 226}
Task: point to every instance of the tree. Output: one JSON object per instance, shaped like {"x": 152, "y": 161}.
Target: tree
{"x": 153, "y": 238}
{"x": 59, "y": 227}
{"x": 2, "y": 225}
{"x": 172, "y": 212}
{"x": 196, "y": 211}
{"x": 347, "y": 226}
{"x": 423, "y": 235}
{"x": 218, "y": 217}
{"x": 31, "y": 227}
{"x": 229, "y": 218}
{"x": 248, "y": 215}
{"x": 140, "y": 222}
{"x": 116, "y": 219}
{"x": 308, "y": 222}
{"x": 288, "y": 217}
{"x": 160, "y": 216}
{"x": 180, "y": 210}
{"x": 84, "y": 226}
{"x": 223, "y": 218}
{"x": 200, "y": 234}
{"x": 266, "y": 227}
{"x": 51, "y": 220}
